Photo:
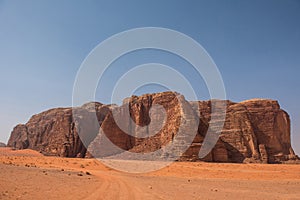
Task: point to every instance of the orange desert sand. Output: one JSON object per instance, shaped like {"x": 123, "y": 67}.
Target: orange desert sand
{"x": 26, "y": 174}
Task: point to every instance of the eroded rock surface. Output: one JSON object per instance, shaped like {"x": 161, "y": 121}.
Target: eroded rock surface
{"x": 256, "y": 130}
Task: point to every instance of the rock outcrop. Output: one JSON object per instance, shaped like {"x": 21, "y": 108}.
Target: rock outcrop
{"x": 256, "y": 130}
{"x": 2, "y": 144}
{"x": 51, "y": 132}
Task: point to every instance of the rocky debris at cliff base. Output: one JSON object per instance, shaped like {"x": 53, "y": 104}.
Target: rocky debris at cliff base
{"x": 255, "y": 131}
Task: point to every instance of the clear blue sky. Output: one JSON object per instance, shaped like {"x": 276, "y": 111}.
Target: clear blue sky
{"x": 255, "y": 44}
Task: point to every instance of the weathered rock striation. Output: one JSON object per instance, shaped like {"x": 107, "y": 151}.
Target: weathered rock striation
{"x": 256, "y": 130}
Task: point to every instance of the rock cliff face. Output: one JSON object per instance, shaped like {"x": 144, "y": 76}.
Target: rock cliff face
{"x": 51, "y": 132}
{"x": 254, "y": 131}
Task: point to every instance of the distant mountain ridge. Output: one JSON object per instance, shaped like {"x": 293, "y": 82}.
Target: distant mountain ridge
{"x": 255, "y": 130}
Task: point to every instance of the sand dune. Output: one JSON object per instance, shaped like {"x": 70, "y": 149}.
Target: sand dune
{"x": 26, "y": 174}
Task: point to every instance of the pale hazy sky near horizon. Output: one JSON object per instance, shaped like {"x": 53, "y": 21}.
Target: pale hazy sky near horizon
{"x": 255, "y": 44}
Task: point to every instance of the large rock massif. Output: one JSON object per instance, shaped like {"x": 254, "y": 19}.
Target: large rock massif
{"x": 254, "y": 131}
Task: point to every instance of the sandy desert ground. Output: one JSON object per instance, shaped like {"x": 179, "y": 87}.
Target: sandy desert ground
{"x": 26, "y": 174}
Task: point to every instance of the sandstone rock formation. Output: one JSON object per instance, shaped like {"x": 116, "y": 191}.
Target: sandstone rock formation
{"x": 51, "y": 132}
{"x": 254, "y": 131}
{"x": 2, "y": 144}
